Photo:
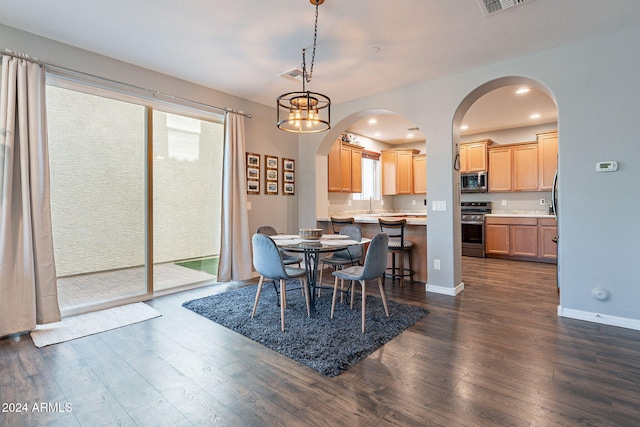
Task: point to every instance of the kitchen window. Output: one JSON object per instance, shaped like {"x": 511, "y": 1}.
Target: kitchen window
{"x": 370, "y": 177}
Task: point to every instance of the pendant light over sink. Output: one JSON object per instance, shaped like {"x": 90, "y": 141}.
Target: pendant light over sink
{"x": 305, "y": 111}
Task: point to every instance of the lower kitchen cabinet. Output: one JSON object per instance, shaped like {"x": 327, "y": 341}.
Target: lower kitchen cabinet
{"x": 547, "y": 248}
{"x": 521, "y": 238}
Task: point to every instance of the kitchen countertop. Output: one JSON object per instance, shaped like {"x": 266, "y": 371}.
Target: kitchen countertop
{"x": 412, "y": 218}
{"x": 520, "y": 215}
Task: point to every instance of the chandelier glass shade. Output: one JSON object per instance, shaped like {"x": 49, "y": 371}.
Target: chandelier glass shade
{"x": 305, "y": 111}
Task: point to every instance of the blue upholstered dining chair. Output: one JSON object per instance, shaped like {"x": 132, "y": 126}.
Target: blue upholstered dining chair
{"x": 286, "y": 258}
{"x": 267, "y": 261}
{"x": 346, "y": 257}
{"x": 375, "y": 263}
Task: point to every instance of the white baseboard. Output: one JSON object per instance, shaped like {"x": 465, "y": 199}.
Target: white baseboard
{"x": 604, "y": 319}
{"x": 445, "y": 290}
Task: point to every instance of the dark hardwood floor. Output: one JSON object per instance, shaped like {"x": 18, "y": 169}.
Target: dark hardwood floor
{"x": 496, "y": 355}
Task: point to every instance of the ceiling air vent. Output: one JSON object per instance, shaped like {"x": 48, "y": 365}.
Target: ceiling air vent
{"x": 489, "y": 7}
{"x": 292, "y": 74}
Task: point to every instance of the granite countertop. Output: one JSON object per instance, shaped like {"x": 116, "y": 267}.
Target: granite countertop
{"x": 413, "y": 218}
{"x": 520, "y": 215}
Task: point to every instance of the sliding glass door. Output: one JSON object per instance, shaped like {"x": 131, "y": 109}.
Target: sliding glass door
{"x": 135, "y": 195}
{"x": 97, "y": 162}
{"x": 187, "y": 185}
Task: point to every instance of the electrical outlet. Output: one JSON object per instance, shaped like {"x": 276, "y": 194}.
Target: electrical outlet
{"x": 436, "y": 264}
{"x": 413, "y": 202}
{"x": 349, "y": 202}
{"x": 504, "y": 202}
{"x": 543, "y": 202}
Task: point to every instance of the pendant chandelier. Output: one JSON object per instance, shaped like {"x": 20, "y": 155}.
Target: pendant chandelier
{"x": 305, "y": 111}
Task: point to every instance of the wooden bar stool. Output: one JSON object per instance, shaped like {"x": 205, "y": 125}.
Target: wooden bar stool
{"x": 398, "y": 245}
{"x": 338, "y": 223}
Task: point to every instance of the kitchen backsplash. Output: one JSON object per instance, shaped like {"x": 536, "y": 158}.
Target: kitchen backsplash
{"x": 522, "y": 202}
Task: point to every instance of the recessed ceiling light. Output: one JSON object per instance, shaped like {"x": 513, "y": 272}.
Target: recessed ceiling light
{"x": 377, "y": 134}
{"x": 410, "y": 135}
{"x": 535, "y": 116}
{"x": 372, "y": 121}
{"x": 523, "y": 90}
{"x": 464, "y": 127}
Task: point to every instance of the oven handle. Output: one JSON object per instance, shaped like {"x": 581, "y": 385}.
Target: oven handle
{"x": 472, "y": 222}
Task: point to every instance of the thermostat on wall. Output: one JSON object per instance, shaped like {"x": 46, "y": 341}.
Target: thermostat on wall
{"x": 610, "y": 166}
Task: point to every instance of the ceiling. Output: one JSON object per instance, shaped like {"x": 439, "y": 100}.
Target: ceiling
{"x": 364, "y": 47}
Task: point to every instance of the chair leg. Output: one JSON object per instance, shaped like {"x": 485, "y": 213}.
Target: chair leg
{"x": 410, "y": 267}
{"x": 283, "y": 301}
{"x": 333, "y": 298}
{"x": 305, "y": 290}
{"x": 393, "y": 266}
{"x": 255, "y": 304}
{"x": 353, "y": 293}
{"x": 384, "y": 296}
{"x": 364, "y": 299}
{"x": 401, "y": 269}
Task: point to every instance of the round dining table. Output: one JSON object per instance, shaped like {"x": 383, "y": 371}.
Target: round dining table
{"x": 312, "y": 249}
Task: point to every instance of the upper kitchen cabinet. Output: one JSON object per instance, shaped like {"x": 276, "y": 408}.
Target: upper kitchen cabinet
{"x": 419, "y": 174}
{"x": 513, "y": 168}
{"x": 345, "y": 168}
{"x": 397, "y": 171}
{"x": 473, "y": 156}
{"x": 525, "y": 167}
{"x": 547, "y": 158}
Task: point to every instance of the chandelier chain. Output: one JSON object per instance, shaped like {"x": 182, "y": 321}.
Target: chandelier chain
{"x": 313, "y": 54}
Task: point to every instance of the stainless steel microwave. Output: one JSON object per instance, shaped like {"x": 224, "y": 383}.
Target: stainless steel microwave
{"x": 473, "y": 182}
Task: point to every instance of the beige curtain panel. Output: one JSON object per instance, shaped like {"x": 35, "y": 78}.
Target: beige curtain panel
{"x": 235, "y": 240}
{"x": 28, "y": 290}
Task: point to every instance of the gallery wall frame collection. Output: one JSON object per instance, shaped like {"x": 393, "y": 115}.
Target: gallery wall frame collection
{"x": 274, "y": 173}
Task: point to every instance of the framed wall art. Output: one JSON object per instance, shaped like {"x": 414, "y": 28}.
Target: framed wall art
{"x": 270, "y": 174}
{"x": 253, "y": 173}
{"x": 288, "y": 176}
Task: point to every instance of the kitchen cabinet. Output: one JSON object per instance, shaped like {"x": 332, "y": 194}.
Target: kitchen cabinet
{"x": 500, "y": 164}
{"x": 345, "y": 168}
{"x": 514, "y": 168}
{"x": 521, "y": 238}
{"x": 525, "y": 167}
{"x": 419, "y": 174}
{"x": 397, "y": 171}
{"x": 473, "y": 156}
{"x": 547, "y": 158}
{"x": 547, "y": 248}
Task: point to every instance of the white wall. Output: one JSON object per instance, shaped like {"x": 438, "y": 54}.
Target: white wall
{"x": 597, "y": 98}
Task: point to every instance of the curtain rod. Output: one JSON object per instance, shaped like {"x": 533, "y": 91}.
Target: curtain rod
{"x": 153, "y": 93}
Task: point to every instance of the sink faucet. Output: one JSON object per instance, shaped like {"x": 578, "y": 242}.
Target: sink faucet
{"x": 370, "y": 203}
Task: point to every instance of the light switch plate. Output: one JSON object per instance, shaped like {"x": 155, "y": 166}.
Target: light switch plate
{"x": 439, "y": 205}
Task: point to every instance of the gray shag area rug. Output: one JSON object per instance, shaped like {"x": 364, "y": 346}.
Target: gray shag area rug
{"x": 327, "y": 346}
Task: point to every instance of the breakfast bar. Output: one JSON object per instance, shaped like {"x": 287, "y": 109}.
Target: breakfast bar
{"x": 415, "y": 231}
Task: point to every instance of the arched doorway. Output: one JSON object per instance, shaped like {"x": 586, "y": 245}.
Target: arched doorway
{"x": 507, "y": 118}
